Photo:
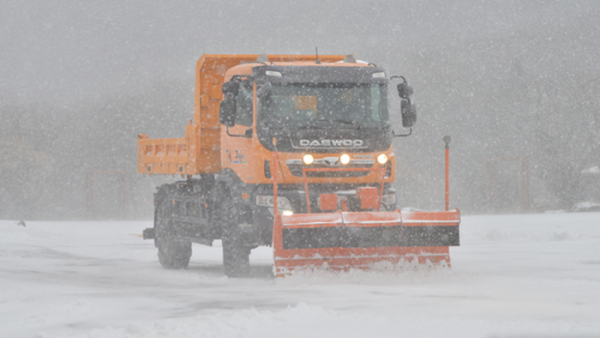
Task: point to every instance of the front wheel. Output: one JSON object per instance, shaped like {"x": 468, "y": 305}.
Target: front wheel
{"x": 173, "y": 252}
{"x": 236, "y": 256}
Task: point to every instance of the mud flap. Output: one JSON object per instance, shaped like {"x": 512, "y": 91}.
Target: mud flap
{"x": 346, "y": 240}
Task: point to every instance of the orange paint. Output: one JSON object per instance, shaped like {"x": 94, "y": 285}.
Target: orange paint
{"x": 328, "y": 202}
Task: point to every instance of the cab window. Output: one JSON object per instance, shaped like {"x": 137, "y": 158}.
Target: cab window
{"x": 243, "y": 114}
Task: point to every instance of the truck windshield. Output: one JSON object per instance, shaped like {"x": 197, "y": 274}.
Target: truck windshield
{"x": 324, "y": 106}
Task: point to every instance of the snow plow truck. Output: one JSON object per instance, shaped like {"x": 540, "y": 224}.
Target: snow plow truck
{"x": 294, "y": 152}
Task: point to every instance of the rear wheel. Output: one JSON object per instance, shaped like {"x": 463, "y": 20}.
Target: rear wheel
{"x": 236, "y": 256}
{"x": 173, "y": 252}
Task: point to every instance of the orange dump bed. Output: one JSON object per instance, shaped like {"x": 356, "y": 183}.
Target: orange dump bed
{"x": 198, "y": 152}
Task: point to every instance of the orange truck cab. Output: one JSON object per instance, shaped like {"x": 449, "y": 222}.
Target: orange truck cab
{"x": 257, "y": 116}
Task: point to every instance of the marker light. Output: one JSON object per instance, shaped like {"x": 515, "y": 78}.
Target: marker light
{"x": 345, "y": 159}
{"x": 382, "y": 158}
{"x": 308, "y": 159}
{"x": 273, "y": 73}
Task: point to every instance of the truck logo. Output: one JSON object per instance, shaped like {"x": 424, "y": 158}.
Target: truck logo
{"x": 332, "y": 143}
{"x": 239, "y": 158}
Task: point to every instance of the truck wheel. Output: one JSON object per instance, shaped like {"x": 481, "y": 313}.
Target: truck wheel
{"x": 236, "y": 257}
{"x": 173, "y": 252}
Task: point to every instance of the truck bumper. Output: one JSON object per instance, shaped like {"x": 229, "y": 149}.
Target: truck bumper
{"x": 263, "y": 215}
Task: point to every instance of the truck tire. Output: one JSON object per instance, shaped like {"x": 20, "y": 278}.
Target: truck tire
{"x": 236, "y": 256}
{"x": 173, "y": 252}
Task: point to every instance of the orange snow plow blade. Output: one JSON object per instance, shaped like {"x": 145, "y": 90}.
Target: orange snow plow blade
{"x": 363, "y": 240}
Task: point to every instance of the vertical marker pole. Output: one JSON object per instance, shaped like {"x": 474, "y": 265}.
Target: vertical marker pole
{"x": 306, "y": 189}
{"x": 275, "y": 178}
{"x": 447, "y": 141}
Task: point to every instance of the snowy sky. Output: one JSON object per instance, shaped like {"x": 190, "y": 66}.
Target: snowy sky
{"x": 505, "y": 79}
{"x": 66, "y": 51}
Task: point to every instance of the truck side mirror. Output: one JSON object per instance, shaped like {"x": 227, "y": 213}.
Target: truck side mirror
{"x": 409, "y": 113}
{"x": 227, "y": 111}
{"x": 404, "y": 90}
{"x": 231, "y": 87}
{"x": 228, "y": 105}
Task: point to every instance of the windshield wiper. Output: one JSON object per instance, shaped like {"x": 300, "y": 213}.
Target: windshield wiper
{"x": 349, "y": 122}
{"x": 309, "y": 126}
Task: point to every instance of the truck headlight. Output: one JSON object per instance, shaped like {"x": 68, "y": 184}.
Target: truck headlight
{"x": 345, "y": 159}
{"x": 308, "y": 159}
{"x": 382, "y": 158}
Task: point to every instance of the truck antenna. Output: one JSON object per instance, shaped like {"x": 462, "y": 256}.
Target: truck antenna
{"x": 318, "y": 61}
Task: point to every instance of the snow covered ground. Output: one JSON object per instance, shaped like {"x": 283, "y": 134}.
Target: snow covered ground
{"x": 513, "y": 276}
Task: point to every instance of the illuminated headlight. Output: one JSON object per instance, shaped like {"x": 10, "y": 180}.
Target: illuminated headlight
{"x": 382, "y": 158}
{"x": 345, "y": 159}
{"x": 267, "y": 201}
{"x": 308, "y": 159}
{"x": 389, "y": 199}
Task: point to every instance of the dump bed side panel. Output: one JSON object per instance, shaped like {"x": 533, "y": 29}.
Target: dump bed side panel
{"x": 169, "y": 155}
